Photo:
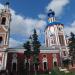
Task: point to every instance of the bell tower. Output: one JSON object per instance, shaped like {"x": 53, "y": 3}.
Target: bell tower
{"x": 5, "y": 18}
{"x": 54, "y": 32}
{"x": 54, "y": 35}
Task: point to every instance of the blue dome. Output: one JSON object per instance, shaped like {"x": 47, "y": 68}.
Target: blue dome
{"x": 51, "y": 13}
{"x": 53, "y": 23}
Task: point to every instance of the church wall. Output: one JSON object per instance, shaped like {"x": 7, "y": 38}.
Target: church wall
{"x": 49, "y": 57}
{"x": 9, "y": 61}
{"x": 42, "y": 59}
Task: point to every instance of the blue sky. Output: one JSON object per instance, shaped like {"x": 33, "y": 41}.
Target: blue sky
{"x": 30, "y": 14}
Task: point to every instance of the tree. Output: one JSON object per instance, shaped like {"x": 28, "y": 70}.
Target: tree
{"x": 66, "y": 62}
{"x": 72, "y": 46}
{"x": 27, "y": 53}
{"x": 28, "y": 49}
{"x": 36, "y": 49}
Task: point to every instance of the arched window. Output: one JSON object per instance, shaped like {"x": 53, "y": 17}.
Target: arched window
{"x": 3, "y": 21}
{"x": 61, "y": 40}
{"x": 14, "y": 62}
{"x": 0, "y": 40}
{"x": 45, "y": 65}
{"x": 27, "y": 66}
{"x": 14, "y": 67}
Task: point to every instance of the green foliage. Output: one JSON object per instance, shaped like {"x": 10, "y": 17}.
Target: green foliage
{"x": 66, "y": 62}
{"x": 36, "y": 43}
{"x": 27, "y": 52}
{"x": 57, "y": 72}
{"x": 36, "y": 50}
{"x": 72, "y": 45}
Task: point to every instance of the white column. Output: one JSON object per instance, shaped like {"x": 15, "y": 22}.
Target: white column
{"x": 5, "y": 61}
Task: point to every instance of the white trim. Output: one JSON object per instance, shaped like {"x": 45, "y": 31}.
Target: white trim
{"x": 41, "y": 51}
{"x": 49, "y": 51}
{"x": 5, "y": 60}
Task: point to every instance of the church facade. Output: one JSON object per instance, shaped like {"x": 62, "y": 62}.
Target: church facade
{"x": 51, "y": 54}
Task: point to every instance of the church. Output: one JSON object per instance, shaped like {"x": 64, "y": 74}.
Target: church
{"x": 52, "y": 54}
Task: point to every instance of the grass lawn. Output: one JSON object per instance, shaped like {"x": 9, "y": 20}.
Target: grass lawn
{"x": 57, "y": 72}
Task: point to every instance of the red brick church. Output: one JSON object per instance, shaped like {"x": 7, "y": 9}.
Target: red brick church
{"x": 51, "y": 54}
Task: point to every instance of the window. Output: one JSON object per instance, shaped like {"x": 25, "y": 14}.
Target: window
{"x": 36, "y": 67}
{"x": 60, "y": 28}
{"x": 47, "y": 42}
{"x": 14, "y": 67}
{"x": 52, "y": 42}
{"x": 64, "y": 53}
{"x": 1, "y": 40}
{"x": 45, "y": 65}
{"x": 61, "y": 39}
{"x": 27, "y": 66}
{"x": 3, "y": 21}
{"x": 55, "y": 63}
{"x": 45, "y": 62}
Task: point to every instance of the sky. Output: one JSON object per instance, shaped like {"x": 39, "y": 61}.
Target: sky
{"x": 30, "y": 14}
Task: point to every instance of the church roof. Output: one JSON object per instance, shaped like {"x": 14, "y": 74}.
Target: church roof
{"x": 54, "y": 23}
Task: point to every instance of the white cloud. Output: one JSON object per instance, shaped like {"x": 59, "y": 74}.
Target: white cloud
{"x": 42, "y": 16}
{"x": 23, "y": 25}
{"x": 70, "y": 28}
{"x": 57, "y": 6}
{"x": 73, "y": 24}
{"x": 1, "y": 6}
{"x": 14, "y": 43}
